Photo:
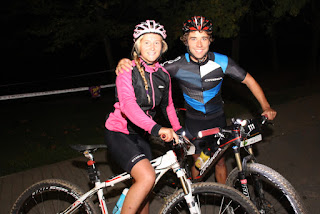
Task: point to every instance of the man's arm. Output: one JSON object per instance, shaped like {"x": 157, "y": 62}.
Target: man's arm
{"x": 124, "y": 65}
{"x": 257, "y": 91}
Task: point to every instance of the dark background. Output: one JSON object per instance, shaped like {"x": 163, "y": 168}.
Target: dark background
{"x": 43, "y": 42}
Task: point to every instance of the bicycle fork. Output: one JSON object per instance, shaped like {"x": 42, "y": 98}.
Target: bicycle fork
{"x": 194, "y": 206}
{"x": 258, "y": 189}
{"x": 241, "y": 175}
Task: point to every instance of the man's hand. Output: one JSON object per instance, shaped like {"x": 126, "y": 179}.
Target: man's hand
{"x": 269, "y": 113}
{"x": 124, "y": 65}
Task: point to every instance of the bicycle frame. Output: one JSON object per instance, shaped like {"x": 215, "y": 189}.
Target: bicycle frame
{"x": 161, "y": 165}
{"x": 237, "y": 144}
{"x": 235, "y": 141}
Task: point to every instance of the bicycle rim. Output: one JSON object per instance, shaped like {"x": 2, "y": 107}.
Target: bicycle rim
{"x": 49, "y": 197}
{"x": 212, "y": 198}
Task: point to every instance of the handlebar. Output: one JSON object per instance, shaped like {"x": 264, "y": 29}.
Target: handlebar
{"x": 208, "y": 132}
{"x": 243, "y": 125}
{"x": 184, "y": 143}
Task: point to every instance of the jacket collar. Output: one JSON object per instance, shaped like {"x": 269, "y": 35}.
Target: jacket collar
{"x": 149, "y": 68}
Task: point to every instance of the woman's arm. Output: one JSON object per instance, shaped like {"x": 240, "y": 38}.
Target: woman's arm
{"x": 129, "y": 105}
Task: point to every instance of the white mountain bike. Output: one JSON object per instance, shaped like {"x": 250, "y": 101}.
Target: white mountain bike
{"x": 59, "y": 196}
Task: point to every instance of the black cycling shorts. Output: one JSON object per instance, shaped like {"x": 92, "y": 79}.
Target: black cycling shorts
{"x": 193, "y": 126}
{"x": 127, "y": 150}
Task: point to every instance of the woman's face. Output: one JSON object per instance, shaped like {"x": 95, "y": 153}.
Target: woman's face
{"x": 150, "y": 47}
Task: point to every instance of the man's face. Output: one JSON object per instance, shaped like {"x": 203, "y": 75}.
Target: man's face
{"x": 198, "y": 43}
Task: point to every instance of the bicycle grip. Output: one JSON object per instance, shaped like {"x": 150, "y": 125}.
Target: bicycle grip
{"x": 208, "y": 132}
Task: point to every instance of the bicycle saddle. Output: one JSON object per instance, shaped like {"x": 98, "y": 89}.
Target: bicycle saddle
{"x": 91, "y": 148}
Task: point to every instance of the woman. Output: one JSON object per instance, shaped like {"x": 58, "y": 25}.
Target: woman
{"x": 138, "y": 93}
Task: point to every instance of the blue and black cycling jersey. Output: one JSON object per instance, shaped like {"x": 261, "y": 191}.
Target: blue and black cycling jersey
{"x": 201, "y": 83}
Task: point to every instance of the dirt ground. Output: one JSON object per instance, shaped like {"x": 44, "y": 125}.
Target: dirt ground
{"x": 293, "y": 147}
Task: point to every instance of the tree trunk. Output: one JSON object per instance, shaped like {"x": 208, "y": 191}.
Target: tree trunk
{"x": 236, "y": 49}
{"x": 315, "y": 52}
{"x": 275, "y": 61}
{"x": 106, "y": 40}
{"x": 108, "y": 50}
{"x": 315, "y": 46}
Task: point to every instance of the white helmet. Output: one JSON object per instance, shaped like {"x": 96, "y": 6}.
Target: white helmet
{"x": 149, "y": 26}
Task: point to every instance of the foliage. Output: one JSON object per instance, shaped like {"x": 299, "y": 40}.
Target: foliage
{"x": 225, "y": 14}
{"x": 287, "y": 7}
{"x": 88, "y": 25}
{"x": 271, "y": 12}
{"x": 82, "y": 24}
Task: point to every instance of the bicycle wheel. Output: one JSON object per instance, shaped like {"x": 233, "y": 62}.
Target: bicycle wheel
{"x": 212, "y": 198}
{"x": 278, "y": 195}
{"x": 50, "y": 196}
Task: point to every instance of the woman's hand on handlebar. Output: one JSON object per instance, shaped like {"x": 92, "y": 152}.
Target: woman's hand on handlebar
{"x": 124, "y": 65}
{"x": 269, "y": 113}
{"x": 167, "y": 135}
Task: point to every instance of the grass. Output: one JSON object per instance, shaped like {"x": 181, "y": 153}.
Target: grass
{"x": 38, "y": 131}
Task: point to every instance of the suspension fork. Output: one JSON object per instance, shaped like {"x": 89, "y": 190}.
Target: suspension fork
{"x": 250, "y": 150}
{"x": 241, "y": 175}
{"x": 257, "y": 183}
{"x": 194, "y": 207}
{"x": 258, "y": 188}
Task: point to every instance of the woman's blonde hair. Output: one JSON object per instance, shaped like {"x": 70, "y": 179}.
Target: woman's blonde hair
{"x": 135, "y": 55}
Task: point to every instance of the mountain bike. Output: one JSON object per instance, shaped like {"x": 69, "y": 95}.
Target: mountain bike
{"x": 267, "y": 189}
{"x": 59, "y": 196}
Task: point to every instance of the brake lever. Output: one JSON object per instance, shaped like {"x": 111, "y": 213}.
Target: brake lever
{"x": 265, "y": 121}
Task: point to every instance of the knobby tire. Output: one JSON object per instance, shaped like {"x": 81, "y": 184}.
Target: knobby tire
{"x": 279, "y": 194}
{"x": 51, "y": 196}
{"x": 212, "y": 198}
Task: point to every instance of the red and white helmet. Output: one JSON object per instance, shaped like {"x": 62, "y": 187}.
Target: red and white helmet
{"x": 149, "y": 26}
{"x": 197, "y": 23}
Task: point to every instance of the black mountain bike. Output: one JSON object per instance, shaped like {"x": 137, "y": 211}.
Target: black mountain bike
{"x": 267, "y": 189}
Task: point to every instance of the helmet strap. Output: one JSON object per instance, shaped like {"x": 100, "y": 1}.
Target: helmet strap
{"x": 149, "y": 64}
{"x": 157, "y": 60}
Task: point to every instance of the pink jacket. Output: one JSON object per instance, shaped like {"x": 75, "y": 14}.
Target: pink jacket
{"x": 130, "y": 91}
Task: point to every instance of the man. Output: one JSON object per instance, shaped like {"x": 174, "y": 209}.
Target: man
{"x": 200, "y": 74}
